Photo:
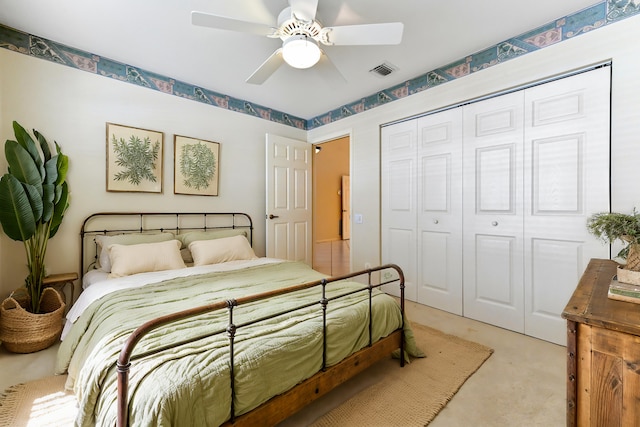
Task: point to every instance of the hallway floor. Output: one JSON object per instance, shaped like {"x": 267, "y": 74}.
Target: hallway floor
{"x": 332, "y": 258}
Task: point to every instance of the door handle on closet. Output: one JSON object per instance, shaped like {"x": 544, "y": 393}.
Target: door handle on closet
{"x": 494, "y": 223}
{"x": 272, "y": 216}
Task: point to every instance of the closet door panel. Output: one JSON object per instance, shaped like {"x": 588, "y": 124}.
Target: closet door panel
{"x": 495, "y": 170}
{"x": 439, "y": 218}
{"x": 434, "y": 264}
{"x": 566, "y": 180}
{"x": 552, "y": 262}
{"x": 399, "y": 207}
{"x": 557, "y": 170}
{"x": 436, "y": 182}
{"x": 495, "y": 271}
{"x": 493, "y": 217}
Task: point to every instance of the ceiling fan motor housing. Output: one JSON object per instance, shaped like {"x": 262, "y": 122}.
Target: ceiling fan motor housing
{"x": 299, "y": 39}
{"x": 289, "y": 25}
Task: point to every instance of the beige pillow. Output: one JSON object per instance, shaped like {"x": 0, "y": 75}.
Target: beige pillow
{"x": 103, "y": 242}
{"x": 215, "y": 251}
{"x": 132, "y": 259}
{"x": 192, "y": 236}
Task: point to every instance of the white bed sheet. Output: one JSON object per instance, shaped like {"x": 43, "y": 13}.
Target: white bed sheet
{"x": 93, "y": 276}
{"x": 101, "y": 285}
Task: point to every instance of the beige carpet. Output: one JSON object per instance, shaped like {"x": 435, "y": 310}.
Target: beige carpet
{"x": 413, "y": 395}
{"x": 409, "y": 396}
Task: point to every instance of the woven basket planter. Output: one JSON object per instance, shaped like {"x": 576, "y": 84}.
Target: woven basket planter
{"x": 25, "y": 332}
{"x": 633, "y": 257}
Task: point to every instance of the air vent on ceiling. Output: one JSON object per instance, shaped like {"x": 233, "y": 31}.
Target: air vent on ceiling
{"x": 383, "y": 69}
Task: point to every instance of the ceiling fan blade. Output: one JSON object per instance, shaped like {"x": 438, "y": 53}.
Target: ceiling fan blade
{"x": 304, "y": 10}
{"x": 267, "y": 68}
{"x": 223, "y": 23}
{"x": 328, "y": 70}
{"x": 366, "y": 34}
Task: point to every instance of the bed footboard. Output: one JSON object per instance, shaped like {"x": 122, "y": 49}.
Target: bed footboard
{"x": 279, "y": 407}
{"x": 284, "y": 405}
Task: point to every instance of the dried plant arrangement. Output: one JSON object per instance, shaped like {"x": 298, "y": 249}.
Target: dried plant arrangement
{"x": 612, "y": 226}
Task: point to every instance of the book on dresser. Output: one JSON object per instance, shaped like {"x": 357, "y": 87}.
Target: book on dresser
{"x": 624, "y": 291}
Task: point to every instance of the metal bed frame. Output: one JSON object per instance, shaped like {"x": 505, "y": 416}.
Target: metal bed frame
{"x": 279, "y": 407}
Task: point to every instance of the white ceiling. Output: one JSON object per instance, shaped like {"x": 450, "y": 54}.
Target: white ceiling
{"x": 157, "y": 35}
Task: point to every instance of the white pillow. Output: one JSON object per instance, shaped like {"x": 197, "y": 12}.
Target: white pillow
{"x": 215, "y": 251}
{"x": 103, "y": 242}
{"x": 132, "y": 259}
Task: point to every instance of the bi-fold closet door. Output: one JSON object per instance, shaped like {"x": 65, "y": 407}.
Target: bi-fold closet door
{"x": 494, "y": 205}
{"x": 439, "y": 206}
{"x": 422, "y": 207}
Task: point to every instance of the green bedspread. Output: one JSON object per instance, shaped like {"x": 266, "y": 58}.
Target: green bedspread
{"x": 189, "y": 385}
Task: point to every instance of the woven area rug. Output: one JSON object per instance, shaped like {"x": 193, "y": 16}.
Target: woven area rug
{"x": 411, "y": 396}
{"x": 38, "y": 403}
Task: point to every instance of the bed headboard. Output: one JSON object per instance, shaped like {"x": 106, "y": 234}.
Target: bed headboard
{"x": 111, "y": 223}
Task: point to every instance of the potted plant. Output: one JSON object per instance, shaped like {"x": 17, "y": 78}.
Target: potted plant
{"x": 33, "y": 199}
{"x": 612, "y": 226}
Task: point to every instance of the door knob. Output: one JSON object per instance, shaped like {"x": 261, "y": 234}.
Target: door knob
{"x": 435, "y": 221}
{"x": 494, "y": 223}
{"x": 272, "y": 216}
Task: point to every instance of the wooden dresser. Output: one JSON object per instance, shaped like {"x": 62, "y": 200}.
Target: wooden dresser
{"x": 603, "y": 353}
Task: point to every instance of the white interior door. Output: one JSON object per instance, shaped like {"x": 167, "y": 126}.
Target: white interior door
{"x": 493, "y": 217}
{"x": 440, "y": 210}
{"x": 398, "y": 225}
{"x": 288, "y": 210}
{"x": 566, "y": 180}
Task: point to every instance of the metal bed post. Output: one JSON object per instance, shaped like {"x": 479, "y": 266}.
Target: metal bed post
{"x": 123, "y": 388}
{"x": 231, "y": 332}
{"x": 324, "y": 301}
{"x": 401, "y": 277}
{"x": 370, "y": 308}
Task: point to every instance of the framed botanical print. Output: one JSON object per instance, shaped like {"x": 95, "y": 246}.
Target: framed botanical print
{"x": 134, "y": 159}
{"x": 197, "y": 166}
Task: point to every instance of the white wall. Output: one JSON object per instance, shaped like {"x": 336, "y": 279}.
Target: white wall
{"x": 72, "y": 107}
{"x": 617, "y": 42}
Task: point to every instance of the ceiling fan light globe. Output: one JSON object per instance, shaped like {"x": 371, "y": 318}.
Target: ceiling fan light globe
{"x": 301, "y": 51}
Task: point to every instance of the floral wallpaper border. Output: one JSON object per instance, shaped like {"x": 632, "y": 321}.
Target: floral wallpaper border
{"x": 49, "y": 50}
{"x": 581, "y": 22}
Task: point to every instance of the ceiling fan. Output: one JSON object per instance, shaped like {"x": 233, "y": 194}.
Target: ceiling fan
{"x": 302, "y": 35}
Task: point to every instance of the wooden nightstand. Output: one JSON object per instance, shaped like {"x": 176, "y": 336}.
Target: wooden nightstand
{"x": 60, "y": 281}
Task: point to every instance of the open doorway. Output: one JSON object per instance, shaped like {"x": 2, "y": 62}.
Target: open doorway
{"x": 331, "y": 207}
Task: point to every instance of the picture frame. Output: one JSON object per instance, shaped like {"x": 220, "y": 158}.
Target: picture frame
{"x": 196, "y": 168}
{"x": 134, "y": 159}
